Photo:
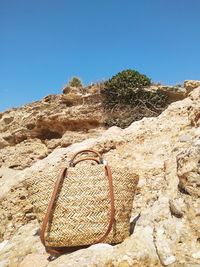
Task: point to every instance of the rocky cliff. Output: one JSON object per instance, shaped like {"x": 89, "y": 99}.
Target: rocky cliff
{"x": 31, "y": 132}
{"x": 164, "y": 152}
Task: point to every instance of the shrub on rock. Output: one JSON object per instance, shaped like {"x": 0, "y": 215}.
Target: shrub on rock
{"x": 131, "y": 90}
{"x": 75, "y": 82}
{"x": 123, "y": 87}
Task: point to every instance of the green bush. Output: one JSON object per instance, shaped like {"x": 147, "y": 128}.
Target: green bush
{"x": 123, "y": 87}
{"x": 75, "y": 82}
{"x": 128, "y": 90}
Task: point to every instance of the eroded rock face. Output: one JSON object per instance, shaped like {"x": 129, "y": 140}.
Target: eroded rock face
{"x": 57, "y": 121}
{"x": 23, "y": 154}
{"x": 164, "y": 152}
{"x": 15, "y": 211}
{"x": 174, "y": 93}
{"x": 189, "y": 169}
{"x": 70, "y": 89}
{"x": 47, "y": 119}
{"x": 32, "y": 131}
{"x": 191, "y": 85}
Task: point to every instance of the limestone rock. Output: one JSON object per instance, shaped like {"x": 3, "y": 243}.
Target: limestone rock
{"x": 46, "y": 119}
{"x": 31, "y": 132}
{"x": 174, "y": 93}
{"x": 23, "y": 154}
{"x": 191, "y": 85}
{"x": 194, "y": 109}
{"x": 95, "y": 88}
{"x": 15, "y": 211}
{"x": 34, "y": 259}
{"x": 166, "y": 215}
{"x": 70, "y": 89}
{"x": 96, "y": 255}
{"x": 188, "y": 164}
{"x": 71, "y": 137}
{"x": 24, "y": 242}
{"x": 72, "y": 99}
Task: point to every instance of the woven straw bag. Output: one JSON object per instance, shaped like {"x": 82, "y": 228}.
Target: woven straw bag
{"x": 84, "y": 204}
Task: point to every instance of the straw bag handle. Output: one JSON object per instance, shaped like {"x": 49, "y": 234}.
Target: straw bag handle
{"x": 83, "y": 159}
{"x": 71, "y": 162}
{"x": 62, "y": 175}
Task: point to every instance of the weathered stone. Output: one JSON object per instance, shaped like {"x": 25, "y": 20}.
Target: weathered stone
{"x": 185, "y": 138}
{"x": 4, "y": 263}
{"x": 191, "y": 85}
{"x": 24, "y": 242}
{"x": 23, "y": 154}
{"x": 15, "y": 211}
{"x": 70, "y": 89}
{"x": 37, "y": 260}
{"x": 71, "y": 99}
{"x": 188, "y": 163}
{"x": 32, "y": 131}
{"x": 166, "y": 204}
{"x": 196, "y": 255}
{"x": 174, "y": 93}
{"x": 96, "y": 255}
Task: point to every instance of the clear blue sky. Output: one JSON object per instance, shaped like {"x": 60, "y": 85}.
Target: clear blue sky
{"x": 43, "y": 43}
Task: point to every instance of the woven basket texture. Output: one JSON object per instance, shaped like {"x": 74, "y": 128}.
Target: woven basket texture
{"x": 82, "y": 209}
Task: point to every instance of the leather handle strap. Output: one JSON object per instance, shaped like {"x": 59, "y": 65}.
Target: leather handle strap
{"x": 86, "y": 158}
{"x": 112, "y": 204}
{"x": 58, "y": 182}
{"x": 60, "y": 178}
{"x": 85, "y": 151}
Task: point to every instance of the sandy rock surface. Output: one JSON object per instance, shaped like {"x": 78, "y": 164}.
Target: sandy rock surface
{"x": 191, "y": 85}
{"x": 164, "y": 152}
{"x": 48, "y": 118}
{"x": 31, "y": 132}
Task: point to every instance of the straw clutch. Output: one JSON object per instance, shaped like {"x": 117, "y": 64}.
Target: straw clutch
{"x": 83, "y": 205}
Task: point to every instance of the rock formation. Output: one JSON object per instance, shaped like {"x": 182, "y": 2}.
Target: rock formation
{"x": 164, "y": 152}
{"x": 31, "y": 132}
{"x": 191, "y": 85}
